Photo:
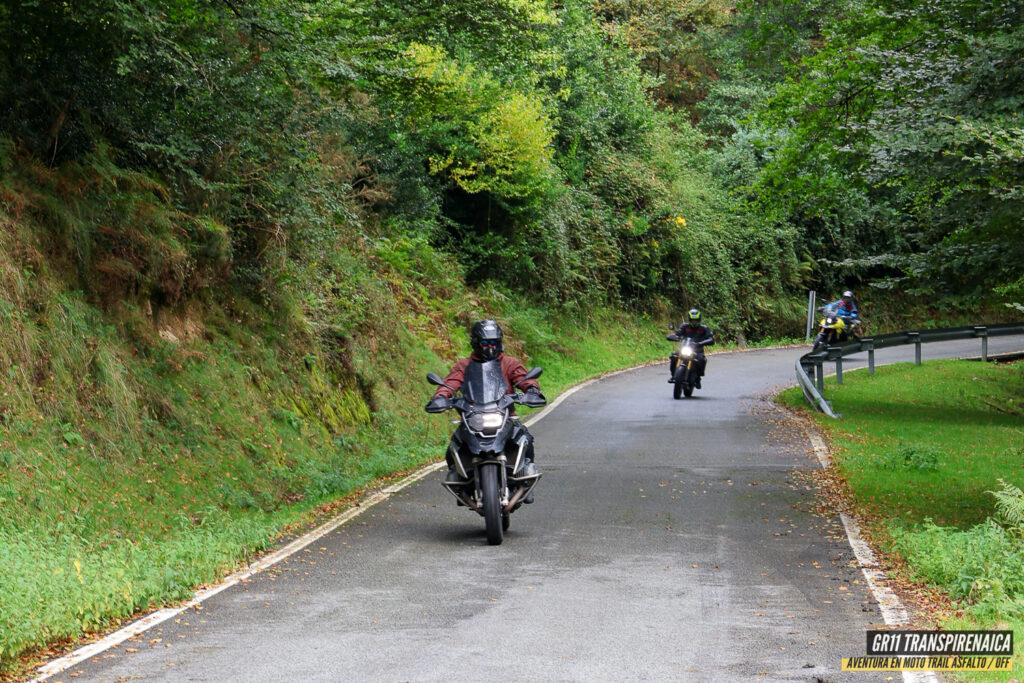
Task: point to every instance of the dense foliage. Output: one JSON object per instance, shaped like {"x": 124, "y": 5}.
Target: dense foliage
{"x": 550, "y": 148}
{"x": 896, "y": 144}
{"x": 198, "y": 194}
{"x": 518, "y": 136}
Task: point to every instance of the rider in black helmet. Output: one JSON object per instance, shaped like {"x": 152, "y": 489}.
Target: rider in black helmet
{"x": 486, "y": 340}
{"x": 695, "y": 329}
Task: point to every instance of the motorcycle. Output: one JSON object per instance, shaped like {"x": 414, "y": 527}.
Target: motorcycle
{"x": 835, "y": 328}
{"x": 687, "y": 370}
{"x": 486, "y": 431}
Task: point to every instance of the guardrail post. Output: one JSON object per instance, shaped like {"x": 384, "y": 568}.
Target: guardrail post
{"x": 810, "y": 312}
{"x": 836, "y": 354}
{"x": 819, "y": 375}
{"x": 982, "y": 331}
{"x": 869, "y": 346}
{"x": 916, "y": 338}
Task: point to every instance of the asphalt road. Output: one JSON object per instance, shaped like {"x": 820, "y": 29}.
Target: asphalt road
{"x": 670, "y": 540}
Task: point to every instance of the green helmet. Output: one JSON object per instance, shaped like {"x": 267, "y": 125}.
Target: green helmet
{"x": 693, "y": 316}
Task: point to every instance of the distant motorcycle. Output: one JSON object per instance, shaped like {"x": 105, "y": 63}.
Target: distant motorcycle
{"x": 688, "y": 369}
{"x": 835, "y": 328}
{"x": 483, "y": 449}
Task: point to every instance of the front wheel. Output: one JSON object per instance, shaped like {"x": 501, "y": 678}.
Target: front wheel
{"x": 491, "y": 503}
{"x": 680, "y": 377}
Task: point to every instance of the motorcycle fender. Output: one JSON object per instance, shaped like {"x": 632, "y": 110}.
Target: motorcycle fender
{"x": 494, "y": 444}
{"x": 491, "y": 458}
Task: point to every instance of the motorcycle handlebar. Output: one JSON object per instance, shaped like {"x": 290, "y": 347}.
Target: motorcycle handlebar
{"x": 522, "y": 398}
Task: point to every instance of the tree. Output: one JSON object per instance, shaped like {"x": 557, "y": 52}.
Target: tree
{"x": 913, "y": 108}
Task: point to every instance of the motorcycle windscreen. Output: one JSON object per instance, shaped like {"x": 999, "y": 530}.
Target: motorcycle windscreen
{"x": 483, "y": 382}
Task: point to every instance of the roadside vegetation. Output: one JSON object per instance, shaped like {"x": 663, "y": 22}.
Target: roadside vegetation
{"x": 235, "y": 235}
{"x": 149, "y": 467}
{"x": 933, "y": 457}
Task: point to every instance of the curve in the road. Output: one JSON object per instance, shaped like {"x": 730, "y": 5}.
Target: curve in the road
{"x": 673, "y": 540}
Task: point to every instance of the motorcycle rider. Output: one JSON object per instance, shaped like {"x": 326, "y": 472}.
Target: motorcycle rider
{"x": 486, "y": 340}
{"x": 845, "y": 307}
{"x": 691, "y": 328}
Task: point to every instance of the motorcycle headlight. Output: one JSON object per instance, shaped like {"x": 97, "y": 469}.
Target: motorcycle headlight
{"x": 485, "y": 423}
{"x": 687, "y": 351}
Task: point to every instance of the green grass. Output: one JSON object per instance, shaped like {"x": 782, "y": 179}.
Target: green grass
{"x": 133, "y": 469}
{"x": 934, "y": 459}
{"x": 929, "y": 441}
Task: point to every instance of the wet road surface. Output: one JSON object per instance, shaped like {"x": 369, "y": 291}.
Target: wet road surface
{"x": 670, "y": 540}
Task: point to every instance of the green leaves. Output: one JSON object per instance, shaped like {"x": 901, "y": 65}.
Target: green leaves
{"x": 915, "y": 106}
{"x": 485, "y": 137}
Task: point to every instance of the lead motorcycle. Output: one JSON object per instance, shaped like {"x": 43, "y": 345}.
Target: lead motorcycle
{"x": 486, "y": 447}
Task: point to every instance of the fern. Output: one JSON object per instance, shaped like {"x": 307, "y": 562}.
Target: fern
{"x": 1010, "y": 504}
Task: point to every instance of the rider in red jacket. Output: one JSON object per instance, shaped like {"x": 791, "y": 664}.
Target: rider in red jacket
{"x": 486, "y": 340}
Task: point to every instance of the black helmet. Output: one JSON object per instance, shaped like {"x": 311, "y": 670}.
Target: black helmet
{"x": 486, "y": 339}
{"x": 693, "y": 316}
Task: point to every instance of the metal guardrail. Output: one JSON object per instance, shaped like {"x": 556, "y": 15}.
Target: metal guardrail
{"x": 814, "y": 362}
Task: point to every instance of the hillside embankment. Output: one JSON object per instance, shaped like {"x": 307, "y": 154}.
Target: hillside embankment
{"x": 149, "y": 444}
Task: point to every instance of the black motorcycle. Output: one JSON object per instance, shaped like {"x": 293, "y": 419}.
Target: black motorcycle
{"x": 488, "y": 446}
{"x": 688, "y": 368}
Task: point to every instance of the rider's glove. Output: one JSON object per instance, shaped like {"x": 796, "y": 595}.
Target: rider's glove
{"x": 534, "y": 398}
{"x": 438, "y": 404}
{"x": 673, "y": 337}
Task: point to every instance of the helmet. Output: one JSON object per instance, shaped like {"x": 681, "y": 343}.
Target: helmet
{"x": 848, "y": 296}
{"x": 486, "y": 339}
{"x": 693, "y": 316}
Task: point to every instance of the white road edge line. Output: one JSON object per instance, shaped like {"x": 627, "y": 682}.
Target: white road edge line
{"x": 893, "y": 611}
{"x": 150, "y": 620}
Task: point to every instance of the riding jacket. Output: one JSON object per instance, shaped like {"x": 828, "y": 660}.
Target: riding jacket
{"x": 511, "y": 367}
{"x": 699, "y": 333}
{"x": 844, "y": 310}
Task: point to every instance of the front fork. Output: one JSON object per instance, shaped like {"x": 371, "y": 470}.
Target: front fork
{"x": 508, "y": 502}
{"x": 501, "y": 461}
{"x": 675, "y": 365}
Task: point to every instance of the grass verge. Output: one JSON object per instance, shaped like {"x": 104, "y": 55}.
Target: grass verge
{"x": 147, "y": 468}
{"x": 934, "y": 459}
